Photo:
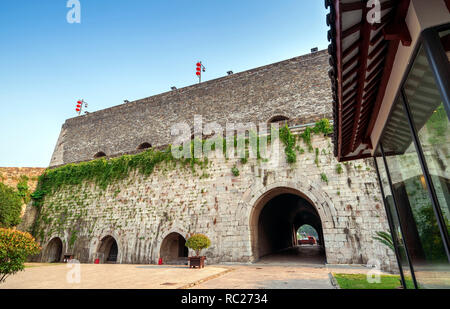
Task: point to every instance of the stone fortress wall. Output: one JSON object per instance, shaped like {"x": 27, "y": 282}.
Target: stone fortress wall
{"x": 140, "y": 212}
{"x": 294, "y": 88}
{"x": 11, "y": 175}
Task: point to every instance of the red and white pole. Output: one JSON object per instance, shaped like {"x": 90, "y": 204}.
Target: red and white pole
{"x": 200, "y": 68}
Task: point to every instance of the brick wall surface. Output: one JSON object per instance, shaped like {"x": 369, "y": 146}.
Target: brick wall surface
{"x": 11, "y": 175}
{"x": 140, "y": 212}
{"x": 296, "y": 88}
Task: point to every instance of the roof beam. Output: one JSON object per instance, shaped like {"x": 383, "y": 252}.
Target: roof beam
{"x": 353, "y": 6}
{"x": 398, "y": 30}
{"x": 376, "y": 38}
{"x": 350, "y": 73}
{"x": 335, "y": 8}
{"x": 349, "y": 49}
{"x": 350, "y": 62}
{"x": 376, "y": 62}
{"x": 400, "y": 14}
{"x": 351, "y": 30}
{"x": 374, "y": 74}
{"x": 350, "y": 84}
{"x": 363, "y": 53}
{"x": 386, "y": 18}
{"x": 380, "y": 47}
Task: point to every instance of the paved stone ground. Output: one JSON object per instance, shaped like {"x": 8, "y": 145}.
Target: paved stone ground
{"x": 110, "y": 276}
{"x": 295, "y": 268}
{"x": 304, "y": 254}
{"x": 301, "y": 267}
{"x": 271, "y": 277}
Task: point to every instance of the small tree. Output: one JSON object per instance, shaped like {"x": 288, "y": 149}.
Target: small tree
{"x": 10, "y": 206}
{"x": 198, "y": 242}
{"x": 15, "y": 247}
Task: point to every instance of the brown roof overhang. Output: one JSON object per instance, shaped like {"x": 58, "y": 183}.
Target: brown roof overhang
{"x": 361, "y": 57}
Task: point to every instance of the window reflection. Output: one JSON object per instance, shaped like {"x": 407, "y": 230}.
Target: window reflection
{"x": 422, "y": 235}
{"x": 398, "y": 237}
{"x": 430, "y": 119}
{"x": 445, "y": 40}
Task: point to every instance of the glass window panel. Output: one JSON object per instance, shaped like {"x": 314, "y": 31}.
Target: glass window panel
{"x": 430, "y": 119}
{"x": 445, "y": 39}
{"x": 389, "y": 202}
{"x": 416, "y": 215}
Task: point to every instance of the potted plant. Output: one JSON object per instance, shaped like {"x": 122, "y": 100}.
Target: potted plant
{"x": 197, "y": 242}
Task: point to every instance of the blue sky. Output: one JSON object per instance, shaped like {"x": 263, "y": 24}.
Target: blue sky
{"x": 130, "y": 50}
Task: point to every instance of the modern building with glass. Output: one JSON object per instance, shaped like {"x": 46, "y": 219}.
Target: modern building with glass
{"x": 390, "y": 77}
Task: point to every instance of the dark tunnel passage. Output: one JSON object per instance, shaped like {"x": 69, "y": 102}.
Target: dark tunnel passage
{"x": 278, "y": 222}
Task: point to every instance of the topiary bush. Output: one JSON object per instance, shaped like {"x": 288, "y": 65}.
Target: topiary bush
{"x": 197, "y": 242}
{"x": 15, "y": 247}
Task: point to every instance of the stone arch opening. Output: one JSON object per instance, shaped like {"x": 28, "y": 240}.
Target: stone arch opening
{"x": 173, "y": 249}
{"x": 275, "y": 220}
{"x": 108, "y": 250}
{"x": 99, "y": 155}
{"x": 307, "y": 234}
{"x": 144, "y": 146}
{"x": 278, "y": 118}
{"x": 53, "y": 251}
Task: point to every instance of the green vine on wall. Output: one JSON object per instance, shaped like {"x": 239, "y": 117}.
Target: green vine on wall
{"x": 104, "y": 172}
{"x": 289, "y": 141}
{"x": 306, "y": 136}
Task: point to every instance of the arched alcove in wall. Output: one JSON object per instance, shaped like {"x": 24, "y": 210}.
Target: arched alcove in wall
{"x": 99, "y": 154}
{"x": 108, "y": 250}
{"x": 53, "y": 251}
{"x": 278, "y": 118}
{"x": 144, "y": 146}
{"x": 173, "y": 249}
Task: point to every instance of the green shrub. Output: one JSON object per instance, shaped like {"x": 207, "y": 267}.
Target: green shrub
{"x": 339, "y": 168}
{"x": 15, "y": 247}
{"x": 10, "y": 206}
{"x": 197, "y": 242}
{"x": 323, "y": 126}
{"x": 235, "y": 171}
